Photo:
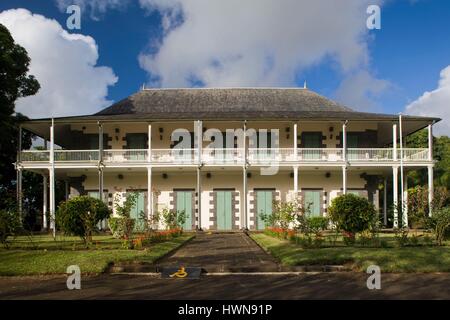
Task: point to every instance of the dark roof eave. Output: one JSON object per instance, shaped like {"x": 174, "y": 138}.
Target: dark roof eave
{"x": 287, "y": 116}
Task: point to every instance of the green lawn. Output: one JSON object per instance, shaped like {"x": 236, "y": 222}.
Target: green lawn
{"x": 406, "y": 259}
{"x": 50, "y": 256}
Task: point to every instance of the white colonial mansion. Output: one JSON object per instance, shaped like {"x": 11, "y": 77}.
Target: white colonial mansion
{"x": 183, "y": 149}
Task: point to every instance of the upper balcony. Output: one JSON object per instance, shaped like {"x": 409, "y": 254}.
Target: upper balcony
{"x": 235, "y": 156}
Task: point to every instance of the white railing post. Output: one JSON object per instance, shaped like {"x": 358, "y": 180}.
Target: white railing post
{"x": 295, "y": 142}
{"x": 430, "y": 142}
{"x": 344, "y": 141}
{"x": 199, "y": 137}
{"x": 394, "y": 142}
{"x": 149, "y": 143}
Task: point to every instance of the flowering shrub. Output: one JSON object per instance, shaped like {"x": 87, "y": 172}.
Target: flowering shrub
{"x": 280, "y": 233}
{"x": 160, "y": 236}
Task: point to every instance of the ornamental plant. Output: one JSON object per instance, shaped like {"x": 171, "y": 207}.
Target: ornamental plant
{"x": 439, "y": 222}
{"x": 9, "y": 225}
{"x": 352, "y": 214}
{"x": 80, "y": 215}
{"x": 122, "y": 225}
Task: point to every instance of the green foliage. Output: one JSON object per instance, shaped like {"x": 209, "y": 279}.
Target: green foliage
{"x": 418, "y": 203}
{"x": 284, "y": 214}
{"x": 80, "y": 215}
{"x": 352, "y": 214}
{"x": 441, "y": 153}
{"x": 124, "y": 209}
{"x": 401, "y": 237}
{"x": 9, "y": 225}
{"x": 316, "y": 225}
{"x": 122, "y": 225}
{"x": 440, "y": 223}
{"x": 172, "y": 219}
{"x": 14, "y": 83}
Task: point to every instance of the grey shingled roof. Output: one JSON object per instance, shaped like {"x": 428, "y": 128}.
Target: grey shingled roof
{"x": 230, "y": 104}
{"x": 225, "y": 100}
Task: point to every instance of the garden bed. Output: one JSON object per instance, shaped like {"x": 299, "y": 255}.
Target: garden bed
{"x": 44, "y": 255}
{"x": 358, "y": 258}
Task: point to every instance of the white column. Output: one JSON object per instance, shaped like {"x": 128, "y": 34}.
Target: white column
{"x": 149, "y": 193}
{"x": 295, "y": 182}
{"x": 402, "y": 187}
{"x": 344, "y": 179}
{"x": 385, "y": 202}
{"x": 395, "y": 194}
{"x": 344, "y": 141}
{"x": 199, "y": 137}
{"x": 295, "y": 142}
{"x": 430, "y": 189}
{"x": 100, "y": 184}
{"x": 430, "y": 170}
{"x": 244, "y": 198}
{"x": 199, "y": 198}
{"x": 244, "y": 224}
{"x": 149, "y": 143}
{"x": 52, "y": 178}
{"x": 66, "y": 189}
{"x": 430, "y": 142}
{"x": 19, "y": 192}
{"x": 394, "y": 141}
{"x": 44, "y": 201}
{"x": 405, "y": 202}
{"x": 19, "y": 175}
{"x": 244, "y": 143}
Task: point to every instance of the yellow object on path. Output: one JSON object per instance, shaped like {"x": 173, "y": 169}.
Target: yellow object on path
{"x": 181, "y": 273}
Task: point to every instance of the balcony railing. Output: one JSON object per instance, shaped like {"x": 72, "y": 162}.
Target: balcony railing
{"x": 124, "y": 155}
{"x": 226, "y": 156}
{"x": 174, "y": 156}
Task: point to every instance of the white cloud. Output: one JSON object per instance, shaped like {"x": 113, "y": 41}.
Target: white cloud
{"x": 361, "y": 91}
{"x": 95, "y": 8}
{"x": 256, "y": 42}
{"x": 435, "y": 104}
{"x": 63, "y": 63}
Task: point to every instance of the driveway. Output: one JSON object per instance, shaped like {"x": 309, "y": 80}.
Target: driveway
{"x": 334, "y": 285}
{"x": 222, "y": 252}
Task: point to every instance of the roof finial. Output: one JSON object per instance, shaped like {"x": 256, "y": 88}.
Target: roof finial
{"x": 304, "y": 85}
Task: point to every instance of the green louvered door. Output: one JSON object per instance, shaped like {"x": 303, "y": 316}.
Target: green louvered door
{"x": 137, "y": 212}
{"x": 264, "y": 200}
{"x": 184, "y": 203}
{"x": 95, "y": 194}
{"x": 312, "y": 140}
{"x": 223, "y": 209}
{"x": 352, "y": 142}
{"x": 136, "y": 141}
{"x": 312, "y": 200}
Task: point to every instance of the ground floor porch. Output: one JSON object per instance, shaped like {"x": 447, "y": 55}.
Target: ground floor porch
{"x": 228, "y": 198}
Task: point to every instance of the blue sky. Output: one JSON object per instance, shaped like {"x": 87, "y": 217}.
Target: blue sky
{"x": 386, "y": 71}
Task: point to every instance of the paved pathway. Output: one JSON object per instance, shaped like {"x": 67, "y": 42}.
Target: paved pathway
{"x": 339, "y": 285}
{"x": 221, "y": 252}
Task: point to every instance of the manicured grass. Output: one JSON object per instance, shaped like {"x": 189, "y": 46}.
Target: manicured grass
{"x": 53, "y": 257}
{"x": 46, "y": 241}
{"x": 406, "y": 259}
